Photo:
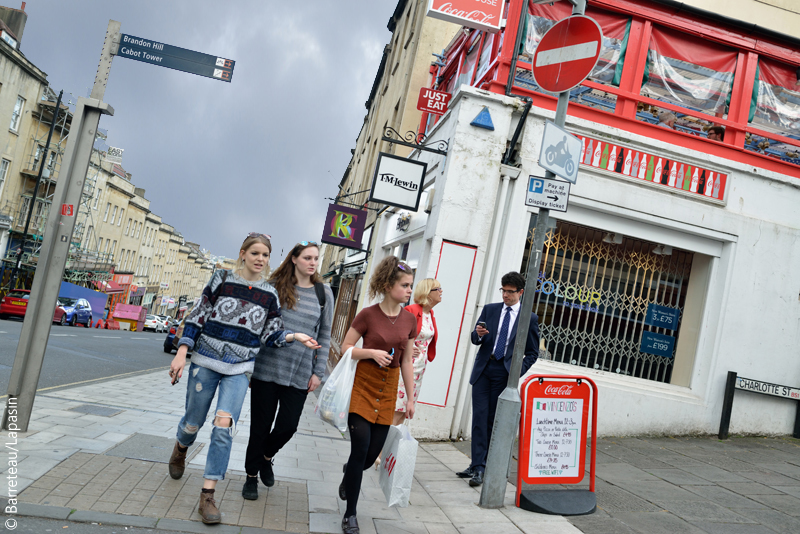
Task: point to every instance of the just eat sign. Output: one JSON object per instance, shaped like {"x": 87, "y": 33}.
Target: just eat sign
{"x": 433, "y": 101}
{"x": 478, "y": 14}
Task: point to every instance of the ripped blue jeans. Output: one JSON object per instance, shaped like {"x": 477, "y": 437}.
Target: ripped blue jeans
{"x": 200, "y": 389}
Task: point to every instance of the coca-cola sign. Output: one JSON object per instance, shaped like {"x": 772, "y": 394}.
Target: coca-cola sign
{"x": 478, "y": 14}
{"x": 558, "y": 390}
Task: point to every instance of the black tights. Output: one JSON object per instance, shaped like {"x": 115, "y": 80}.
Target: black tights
{"x": 366, "y": 442}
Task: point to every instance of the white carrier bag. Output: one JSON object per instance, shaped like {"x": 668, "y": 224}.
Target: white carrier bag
{"x": 333, "y": 403}
{"x": 397, "y": 465}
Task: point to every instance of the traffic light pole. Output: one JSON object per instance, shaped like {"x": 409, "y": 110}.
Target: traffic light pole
{"x": 509, "y": 403}
{"x": 56, "y": 243}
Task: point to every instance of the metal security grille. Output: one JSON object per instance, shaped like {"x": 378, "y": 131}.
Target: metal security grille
{"x": 592, "y": 296}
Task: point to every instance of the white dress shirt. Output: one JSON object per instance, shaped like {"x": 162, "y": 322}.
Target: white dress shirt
{"x": 514, "y": 311}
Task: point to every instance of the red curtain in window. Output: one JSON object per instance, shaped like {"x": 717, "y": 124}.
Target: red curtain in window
{"x": 779, "y": 74}
{"x": 612, "y": 24}
{"x": 690, "y": 49}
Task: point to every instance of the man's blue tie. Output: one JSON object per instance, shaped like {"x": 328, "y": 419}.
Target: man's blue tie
{"x": 502, "y": 336}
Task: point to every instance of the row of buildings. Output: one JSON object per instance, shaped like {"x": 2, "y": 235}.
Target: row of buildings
{"x": 119, "y": 246}
{"x": 660, "y": 217}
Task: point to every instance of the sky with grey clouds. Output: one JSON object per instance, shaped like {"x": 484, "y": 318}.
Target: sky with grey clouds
{"x": 219, "y": 160}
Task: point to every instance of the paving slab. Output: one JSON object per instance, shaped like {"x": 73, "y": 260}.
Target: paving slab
{"x": 657, "y": 523}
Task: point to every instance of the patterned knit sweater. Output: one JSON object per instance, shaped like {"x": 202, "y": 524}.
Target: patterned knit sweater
{"x": 294, "y": 365}
{"x": 227, "y": 328}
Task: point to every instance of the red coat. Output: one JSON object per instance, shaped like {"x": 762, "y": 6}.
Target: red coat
{"x": 416, "y": 309}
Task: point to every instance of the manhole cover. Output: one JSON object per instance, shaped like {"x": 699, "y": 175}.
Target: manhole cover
{"x": 93, "y": 409}
{"x": 149, "y": 448}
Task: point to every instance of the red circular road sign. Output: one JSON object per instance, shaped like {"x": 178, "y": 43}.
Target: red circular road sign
{"x": 567, "y": 53}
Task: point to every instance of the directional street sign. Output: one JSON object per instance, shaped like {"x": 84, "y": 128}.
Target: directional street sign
{"x": 560, "y": 152}
{"x": 173, "y": 57}
{"x": 567, "y": 53}
{"x": 548, "y": 194}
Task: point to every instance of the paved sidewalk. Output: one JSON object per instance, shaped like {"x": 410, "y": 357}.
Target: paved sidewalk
{"x": 97, "y": 453}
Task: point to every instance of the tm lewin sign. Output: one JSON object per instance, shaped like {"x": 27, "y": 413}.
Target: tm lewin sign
{"x": 398, "y": 181}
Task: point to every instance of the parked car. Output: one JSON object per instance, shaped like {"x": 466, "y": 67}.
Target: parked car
{"x": 78, "y": 311}
{"x": 174, "y": 335}
{"x": 15, "y": 304}
{"x": 152, "y": 322}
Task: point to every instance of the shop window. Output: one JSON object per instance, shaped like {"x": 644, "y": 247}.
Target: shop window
{"x": 593, "y": 293}
{"x": 688, "y": 72}
{"x": 485, "y": 58}
{"x": 776, "y": 109}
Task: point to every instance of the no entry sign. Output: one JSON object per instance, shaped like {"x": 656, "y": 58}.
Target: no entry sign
{"x": 567, "y": 53}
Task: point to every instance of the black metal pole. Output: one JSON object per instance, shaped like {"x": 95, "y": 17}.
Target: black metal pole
{"x": 18, "y": 263}
{"x": 727, "y": 406}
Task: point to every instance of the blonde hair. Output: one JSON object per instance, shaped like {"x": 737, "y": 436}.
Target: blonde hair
{"x": 423, "y": 290}
{"x": 246, "y": 244}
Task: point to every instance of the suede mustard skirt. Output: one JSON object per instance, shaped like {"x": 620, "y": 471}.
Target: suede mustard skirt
{"x": 375, "y": 392}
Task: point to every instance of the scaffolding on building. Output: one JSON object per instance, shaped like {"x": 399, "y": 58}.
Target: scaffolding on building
{"x": 85, "y": 263}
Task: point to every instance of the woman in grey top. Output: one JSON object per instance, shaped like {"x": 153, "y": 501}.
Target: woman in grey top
{"x": 287, "y": 377}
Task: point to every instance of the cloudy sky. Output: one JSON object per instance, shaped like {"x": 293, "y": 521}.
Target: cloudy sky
{"x": 219, "y": 160}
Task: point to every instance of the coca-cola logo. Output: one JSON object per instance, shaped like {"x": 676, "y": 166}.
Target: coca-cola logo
{"x": 476, "y": 15}
{"x": 558, "y": 390}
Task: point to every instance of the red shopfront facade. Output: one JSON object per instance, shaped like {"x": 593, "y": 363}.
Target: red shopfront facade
{"x": 656, "y": 59}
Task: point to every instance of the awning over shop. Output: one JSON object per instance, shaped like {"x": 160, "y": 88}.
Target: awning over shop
{"x": 109, "y": 287}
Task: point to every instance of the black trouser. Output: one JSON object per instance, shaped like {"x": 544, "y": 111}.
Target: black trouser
{"x": 366, "y": 442}
{"x": 264, "y": 439}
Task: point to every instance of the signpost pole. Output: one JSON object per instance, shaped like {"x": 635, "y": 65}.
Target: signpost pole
{"x": 55, "y": 245}
{"x": 509, "y": 403}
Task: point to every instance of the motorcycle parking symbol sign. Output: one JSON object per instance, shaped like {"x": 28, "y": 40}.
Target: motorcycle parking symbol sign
{"x": 560, "y": 152}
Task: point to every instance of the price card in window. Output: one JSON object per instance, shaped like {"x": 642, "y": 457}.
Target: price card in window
{"x": 662, "y": 316}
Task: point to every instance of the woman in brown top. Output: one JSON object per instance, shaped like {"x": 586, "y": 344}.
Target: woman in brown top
{"x": 388, "y": 332}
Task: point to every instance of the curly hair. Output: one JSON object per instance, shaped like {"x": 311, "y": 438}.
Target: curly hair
{"x": 249, "y": 242}
{"x": 386, "y": 273}
{"x": 423, "y": 290}
{"x": 284, "y": 279}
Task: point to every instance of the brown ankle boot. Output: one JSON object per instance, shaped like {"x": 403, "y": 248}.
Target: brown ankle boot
{"x": 177, "y": 462}
{"x": 208, "y": 508}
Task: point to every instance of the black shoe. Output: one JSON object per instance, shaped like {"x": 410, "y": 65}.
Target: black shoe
{"x": 466, "y": 473}
{"x": 350, "y": 525}
{"x": 250, "y": 489}
{"x": 477, "y": 479}
{"x": 267, "y": 476}
{"x": 342, "y": 494}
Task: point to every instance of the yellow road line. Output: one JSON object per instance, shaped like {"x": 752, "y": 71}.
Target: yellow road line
{"x": 96, "y": 379}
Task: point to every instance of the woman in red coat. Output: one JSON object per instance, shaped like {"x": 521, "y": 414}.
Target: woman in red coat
{"x": 427, "y": 294}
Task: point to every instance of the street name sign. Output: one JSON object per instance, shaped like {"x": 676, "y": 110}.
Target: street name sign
{"x": 567, "y": 53}
{"x": 433, "y": 101}
{"x": 173, "y": 57}
{"x": 560, "y": 152}
{"x": 767, "y": 388}
{"x": 547, "y": 193}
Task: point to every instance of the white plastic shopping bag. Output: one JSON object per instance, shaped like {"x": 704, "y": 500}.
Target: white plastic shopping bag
{"x": 333, "y": 403}
{"x": 397, "y": 466}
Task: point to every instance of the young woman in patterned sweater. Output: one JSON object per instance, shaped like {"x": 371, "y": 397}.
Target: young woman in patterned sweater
{"x": 237, "y": 314}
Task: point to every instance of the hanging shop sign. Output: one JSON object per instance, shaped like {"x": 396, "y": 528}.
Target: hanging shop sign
{"x": 123, "y": 279}
{"x": 344, "y": 227}
{"x": 398, "y": 181}
{"x": 641, "y": 165}
{"x": 478, "y": 14}
{"x": 433, "y": 101}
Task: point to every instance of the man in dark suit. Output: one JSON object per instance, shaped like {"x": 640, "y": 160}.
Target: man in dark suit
{"x": 496, "y": 333}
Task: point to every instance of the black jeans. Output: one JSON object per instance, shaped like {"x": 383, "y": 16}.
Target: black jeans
{"x": 264, "y": 439}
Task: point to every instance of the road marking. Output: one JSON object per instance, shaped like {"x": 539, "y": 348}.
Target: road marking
{"x": 59, "y": 335}
{"x": 109, "y": 337}
{"x": 141, "y": 338}
{"x": 96, "y": 379}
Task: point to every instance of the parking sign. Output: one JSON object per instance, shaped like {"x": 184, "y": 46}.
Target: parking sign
{"x": 547, "y": 193}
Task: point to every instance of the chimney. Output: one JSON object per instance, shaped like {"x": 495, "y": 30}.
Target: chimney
{"x": 15, "y": 19}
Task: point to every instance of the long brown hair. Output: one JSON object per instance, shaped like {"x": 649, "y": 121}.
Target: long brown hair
{"x": 386, "y": 273}
{"x": 249, "y": 242}
{"x": 284, "y": 279}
